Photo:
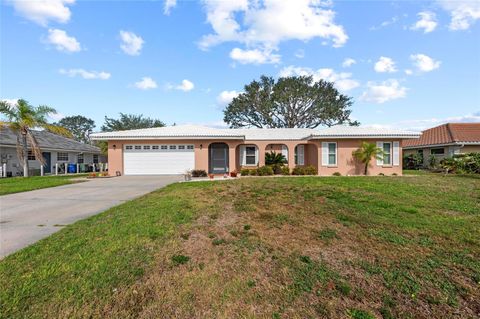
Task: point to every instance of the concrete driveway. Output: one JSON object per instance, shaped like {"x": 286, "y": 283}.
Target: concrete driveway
{"x": 30, "y": 216}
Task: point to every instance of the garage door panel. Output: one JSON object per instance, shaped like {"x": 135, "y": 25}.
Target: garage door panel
{"x": 157, "y": 162}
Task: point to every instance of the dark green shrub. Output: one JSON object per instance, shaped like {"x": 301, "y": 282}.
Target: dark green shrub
{"x": 277, "y": 168}
{"x": 413, "y": 161}
{"x": 273, "y": 158}
{"x": 253, "y": 172}
{"x": 264, "y": 171}
{"x": 299, "y": 170}
{"x": 199, "y": 173}
{"x": 337, "y": 174}
{"x": 305, "y": 170}
{"x": 462, "y": 164}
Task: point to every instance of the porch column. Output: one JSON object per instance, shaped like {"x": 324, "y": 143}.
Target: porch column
{"x": 41, "y": 170}
{"x": 232, "y": 158}
{"x": 291, "y": 155}
{"x": 261, "y": 154}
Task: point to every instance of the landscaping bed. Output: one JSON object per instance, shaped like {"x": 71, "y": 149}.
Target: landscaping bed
{"x": 305, "y": 247}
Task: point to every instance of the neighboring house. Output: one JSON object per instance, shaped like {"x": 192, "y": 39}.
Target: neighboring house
{"x": 55, "y": 149}
{"x": 176, "y": 149}
{"x": 445, "y": 141}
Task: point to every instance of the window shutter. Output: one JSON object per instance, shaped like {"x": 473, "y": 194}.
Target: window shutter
{"x": 285, "y": 152}
{"x": 256, "y": 155}
{"x": 242, "y": 155}
{"x": 324, "y": 154}
{"x": 301, "y": 154}
{"x": 396, "y": 153}
{"x": 380, "y": 160}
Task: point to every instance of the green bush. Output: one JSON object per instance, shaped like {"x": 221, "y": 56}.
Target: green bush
{"x": 462, "y": 164}
{"x": 199, "y": 173}
{"x": 253, "y": 172}
{"x": 265, "y": 171}
{"x": 337, "y": 174}
{"x": 244, "y": 172}
{"x": 413, "y": 161}
{"x": 285, "y": 170}
{"x": 305, "y": 170}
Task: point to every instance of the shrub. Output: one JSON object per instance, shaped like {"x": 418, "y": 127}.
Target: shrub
{"x": 277, "y": 168}
{"x": 413, "y": 161}
{"x": 432, "y": 161}
{"x": 381, "y": 174}
{"x": 244, "y": 172}
{"x": 305, "y": 170}
{"x": 264, "y": 171}
{"x": 253, "y": 172}
{"x": 285, "y": 170}
{"x": 337, "y": 174}
{"x": 199, "y": 173}
{"x": 273, "y": 158}
{"x": 462, "y": 164}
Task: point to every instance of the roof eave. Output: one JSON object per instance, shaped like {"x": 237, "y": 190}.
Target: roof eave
{"x": 136, "y": 138}
{"x": 312, "y": 137}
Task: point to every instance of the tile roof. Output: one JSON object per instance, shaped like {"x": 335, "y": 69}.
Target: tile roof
{"x": 47, "y": 140}
{"x": 450, "y": 133}
{"x": 202, "y": 132}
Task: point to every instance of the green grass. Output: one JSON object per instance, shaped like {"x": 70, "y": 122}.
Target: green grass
{"x": 364, "y": 247}
{"x": 25, "y": 184}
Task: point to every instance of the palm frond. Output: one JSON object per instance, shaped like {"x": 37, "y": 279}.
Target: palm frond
{"x": 35, "y": 147}
{"x": 55, "y": 129}
{"x": 8, "y": 110}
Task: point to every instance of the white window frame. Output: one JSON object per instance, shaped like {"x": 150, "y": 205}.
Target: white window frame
{"x": 138, "y": 147}
{"x": 155, "y": 147}
{"x": 61, "y": 157}
{"x": 31, "y": 156}
{"x": 146, "y": 147}
{"x": 328, "y": 154}
{"x": 190, "y": 147}
{"x": 172, "y": 147}
{"x": 164, "y": 147}
{"x": 128, "y": 147}
{"x": 80, "y": 158}
{"x": 95, "y": 161}
{"x": 390, "y": 155}
{"x": 255, "y": 155}
{"x": 300, "y": 160}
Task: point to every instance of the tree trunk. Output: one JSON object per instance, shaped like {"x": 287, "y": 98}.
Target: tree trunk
{"x": 25, "y": 155}
{"x": 366, "y": 167}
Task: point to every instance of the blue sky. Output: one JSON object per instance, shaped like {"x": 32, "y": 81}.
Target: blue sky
{"x": 406, "y": 64}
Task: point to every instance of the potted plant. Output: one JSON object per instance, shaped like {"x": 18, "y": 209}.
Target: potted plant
{"x": 211, "y": 176}
{"x": 233, "y": 174}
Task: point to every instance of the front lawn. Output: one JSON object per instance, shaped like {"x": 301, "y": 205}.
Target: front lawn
{"x": 306, "y": 247}
{"x": 24, "y": 184}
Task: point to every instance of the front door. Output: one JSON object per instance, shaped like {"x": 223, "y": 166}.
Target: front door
{"x": 47, "y": 169}
{"x": 218, "y": 159}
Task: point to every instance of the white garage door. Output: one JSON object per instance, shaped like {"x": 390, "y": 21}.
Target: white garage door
{"x": 158, "y": 159}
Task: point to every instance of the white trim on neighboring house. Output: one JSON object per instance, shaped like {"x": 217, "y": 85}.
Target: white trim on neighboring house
{"x": 43, "y": 149}
{"x": 461, "y": 144}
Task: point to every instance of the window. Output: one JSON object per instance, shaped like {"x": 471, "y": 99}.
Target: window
{"x": 181, "y": 147}
{"x": 80, "y": 158}
{"x": 437, "y": 151}
{"x": 387, "y": 153}
{"x": 332, "y": 153}
{"x": 250, "y": 155}
{"x": 146, "y": 147}
{"x": 138, "y": 147}
{"x": 95, "y": 158}
{"x": 155, "y": 147}
{"x": 163, "y": 147}
{"x": 173, "y": 147}
{"x": 129, "y": 147}
{"x": 189, "y": 147}
{"x": 31, "y": 156}
{"x": 300, "y": 155}
{"x": 61, "y": 156}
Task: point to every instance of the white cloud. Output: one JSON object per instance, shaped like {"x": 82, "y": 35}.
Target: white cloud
{"x": 225, "y": 97}
{"x": 386, "y": 23}
{"x": 300, "y": 54}
{"x": 255, "y": 56}
{"x": 422, "y": 124}
{"x": 185, "y": 86}
{"x": 348, "y": 62}
{"x": 408, "y": 72}
{"x": 43, "y": 11}
{"x": 385, "y": 64}
{"x": 87, "y": 75}
{"x": 131, "y": 43}
{"x": 424, "y": 63}
{"x": 146, "y": 83}
{"x": 169, "y": 4}
{"x": 383, "y": 92}
{"x": 265, "y": 24}
{"x": 56, "y": 117}
{"x": 62, "y": 41}
{"x": 463, "y": 13}
{"x": 427, "y": 22}
{"x": 342, "y": 80}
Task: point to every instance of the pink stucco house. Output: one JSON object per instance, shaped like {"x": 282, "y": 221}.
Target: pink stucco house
{"x": 176, "y": 149}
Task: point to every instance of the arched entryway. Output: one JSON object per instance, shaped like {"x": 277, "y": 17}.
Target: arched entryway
{"x": 277, "y": 148}
{"x": 218, "y": 159}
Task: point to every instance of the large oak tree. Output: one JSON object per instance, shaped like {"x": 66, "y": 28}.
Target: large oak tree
{"x": 296, "y": 101}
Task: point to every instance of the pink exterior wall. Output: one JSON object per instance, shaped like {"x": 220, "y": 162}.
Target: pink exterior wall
{"x": 313, "y": 153}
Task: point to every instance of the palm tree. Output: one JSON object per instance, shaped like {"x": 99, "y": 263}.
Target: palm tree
{"x": 22, "y": 118}
{"x": 366, "y": 152}
{"x": 273, "y": 158}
